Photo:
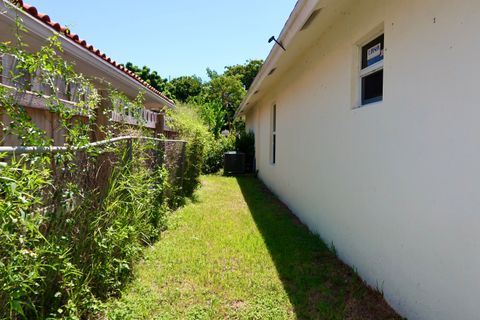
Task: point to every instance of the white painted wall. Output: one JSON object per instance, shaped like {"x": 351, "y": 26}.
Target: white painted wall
{"x": 396, "y": 185}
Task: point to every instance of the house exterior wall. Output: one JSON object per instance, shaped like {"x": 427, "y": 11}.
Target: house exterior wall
{"x": 393, "y": 185}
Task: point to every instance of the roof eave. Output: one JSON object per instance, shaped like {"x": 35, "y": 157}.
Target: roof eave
{"x": 301, "y": 12}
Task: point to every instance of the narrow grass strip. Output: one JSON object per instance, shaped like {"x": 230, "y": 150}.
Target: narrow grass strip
{"x": 236, "y": 252}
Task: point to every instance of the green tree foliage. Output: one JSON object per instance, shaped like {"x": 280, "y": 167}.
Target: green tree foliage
{"x": 182, "y": 88}
{"x": 151, "y": 77}
{"x": 247, "y": 71}
{"x": 228, "y": 91}
{"x": 217, "y": 99}
{"x": 213, "y": 114}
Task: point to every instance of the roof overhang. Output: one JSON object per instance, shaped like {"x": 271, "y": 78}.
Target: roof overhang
{"x": 307, "y": 22}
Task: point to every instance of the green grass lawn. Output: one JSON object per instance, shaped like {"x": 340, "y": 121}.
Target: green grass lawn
{"x": 236, "y": 252}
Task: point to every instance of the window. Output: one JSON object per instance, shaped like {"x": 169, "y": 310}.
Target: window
{"x": 371, "y": 73}
{"x": 274, "y": 134}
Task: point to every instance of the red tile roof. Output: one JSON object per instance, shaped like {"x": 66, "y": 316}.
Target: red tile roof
{"x": 75, "y": 38}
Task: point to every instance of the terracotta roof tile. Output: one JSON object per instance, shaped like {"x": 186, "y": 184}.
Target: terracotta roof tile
{"x": 75, "y": 38}
{"x": 44, "y": 17}
{"x": 30, "y": 9}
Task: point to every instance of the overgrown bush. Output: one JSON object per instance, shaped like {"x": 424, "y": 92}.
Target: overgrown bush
{"x": 245, "y": 142}
{"x": 216, "y": 149}
{"x": 205, "y": 150}
{"x": 72, "y": 223}
{"x": 63, "y": 242}
{"x": 190, "y": 127}
{"x": 241, "y": 142}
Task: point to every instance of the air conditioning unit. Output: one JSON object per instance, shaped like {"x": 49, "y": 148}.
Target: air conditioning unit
{"x": 233, "y": 162}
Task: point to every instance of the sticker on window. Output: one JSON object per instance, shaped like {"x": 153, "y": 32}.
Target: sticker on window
{"x": 374, "y": 54}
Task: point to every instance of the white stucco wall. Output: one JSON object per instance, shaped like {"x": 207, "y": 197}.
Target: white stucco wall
{"x": 396, "y": 185}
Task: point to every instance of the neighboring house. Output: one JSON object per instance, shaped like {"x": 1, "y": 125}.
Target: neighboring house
{"x": 87, "y": 60}
{"x": 368, "y": 128}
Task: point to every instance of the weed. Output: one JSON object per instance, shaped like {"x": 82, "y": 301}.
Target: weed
{"x": 73, "y": 223}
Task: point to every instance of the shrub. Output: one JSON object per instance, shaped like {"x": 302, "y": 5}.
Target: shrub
{"x": 73, "y": 223}
{"x": 190, "y": 127}
{"x": 64, "y": 243}
{"x": 245, "y": 143}
{"x": 204, "y": 151}
{"x": 216, "y": 149}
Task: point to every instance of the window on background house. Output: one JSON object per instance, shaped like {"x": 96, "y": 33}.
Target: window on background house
{"x": 371, "y": 73}
{"x": 274, "y": 134}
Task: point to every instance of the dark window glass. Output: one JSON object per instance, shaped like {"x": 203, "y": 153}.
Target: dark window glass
{"x": 274, "y": 133}
{"x": 274, "y": 148}
{"x": 372, "y": 87}
{"x": 372, "y": 52}
{"x": 274, "y": 125}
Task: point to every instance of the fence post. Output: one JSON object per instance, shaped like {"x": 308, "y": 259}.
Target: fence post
{"x": 160, "y": 153}
{"x": 129, "y": 151}
{"x": 160, "y": 125}
{"x": 102, "y": 119}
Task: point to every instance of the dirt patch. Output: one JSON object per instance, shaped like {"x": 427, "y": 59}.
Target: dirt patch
{"x": 361, "y": 301}
{"x": 284, "y": 209}
{"x": 237, "y": 305}
{"x": 371, "y": 306}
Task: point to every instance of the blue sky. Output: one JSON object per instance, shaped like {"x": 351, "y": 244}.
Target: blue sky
{"x": 174, "y": 37}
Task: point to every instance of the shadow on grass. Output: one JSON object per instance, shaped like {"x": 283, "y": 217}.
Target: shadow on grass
{"x": 319, "y": 286}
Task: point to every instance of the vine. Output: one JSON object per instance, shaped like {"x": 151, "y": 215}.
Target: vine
{"x": 71, "y": 223}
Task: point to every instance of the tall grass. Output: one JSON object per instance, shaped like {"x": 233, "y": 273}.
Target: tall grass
{"x": 68, "y": 239}
{"x": 73, "y": 223}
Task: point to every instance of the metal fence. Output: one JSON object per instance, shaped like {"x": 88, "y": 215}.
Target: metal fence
{"x": 92, "y": 166}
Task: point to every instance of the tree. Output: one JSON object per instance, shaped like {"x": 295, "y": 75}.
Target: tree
{"x": 185, "y": 87}
{"x": 227, "y": 90}
{"x": 247, "y": 71}
{"x": 212, "y": 73}
{"x": 213, "y": 114}
{"x": 151, "y": 77}
{"x": 217, "y": 99}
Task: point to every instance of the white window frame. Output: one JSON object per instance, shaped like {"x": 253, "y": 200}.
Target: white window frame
{"x": 369, "y": 70}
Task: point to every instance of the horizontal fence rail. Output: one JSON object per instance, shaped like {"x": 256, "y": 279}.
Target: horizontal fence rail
{"x": 59, "y": 149}
{"x": 169, "y": 153}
